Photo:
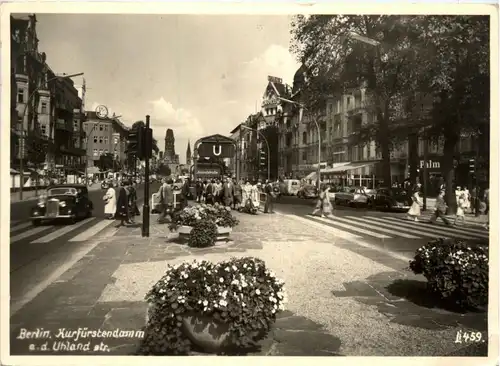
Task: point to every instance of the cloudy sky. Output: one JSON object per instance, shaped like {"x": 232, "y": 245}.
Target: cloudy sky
{"x": 198, "y": 75}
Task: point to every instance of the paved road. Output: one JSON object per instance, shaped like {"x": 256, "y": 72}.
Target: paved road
{"x": 39, "y": 254}
{"x": 388, "y": 230}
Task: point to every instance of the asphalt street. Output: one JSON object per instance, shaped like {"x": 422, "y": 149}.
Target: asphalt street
{"x": 388, "y": 230}
{"x": 39, "y": 254}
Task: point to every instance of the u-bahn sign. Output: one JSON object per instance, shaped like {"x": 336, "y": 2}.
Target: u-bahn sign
{"x": 216, "y": 146}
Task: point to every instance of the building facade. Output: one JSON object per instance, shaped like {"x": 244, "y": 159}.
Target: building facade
{"x": 189, "y": 160}
{"x": 43, "y": 108}
{"x": 104, "y": 136}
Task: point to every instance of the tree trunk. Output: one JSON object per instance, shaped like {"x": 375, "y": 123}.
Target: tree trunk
{"x": 413, "y": 157}
{"x": 384, "y": 145}
{"x": 448, "y": 172}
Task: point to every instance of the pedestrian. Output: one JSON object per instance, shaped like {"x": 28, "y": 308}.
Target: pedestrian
{"x": 184, "y": 194}
{"x": 461, "y": 205}
{"x": 110, "y": 202}
{"x": 327, "y": 203}
{"x": 255, "y": 196}
{"x": 237, "y": 199}
{"x": 122, "y": 209}
{"x": 473, "y": 200}
{"x": 440, "y": 210}
{"x": 227, "y": 193}
{"x": 414, "y": 211}
{"x": 270, "y": 196}
{"x": 167, "y": 200}
{"x": 210, "y": 192}
{"x": 199, "y": 190}
{"x": 132, "y": 202}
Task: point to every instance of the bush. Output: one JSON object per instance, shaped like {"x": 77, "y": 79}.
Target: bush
{"x": 203, "y": 234}
{"x": 456, "y": 270}
{"x": 189, "y": 216}
{"x": 241, "y": 293}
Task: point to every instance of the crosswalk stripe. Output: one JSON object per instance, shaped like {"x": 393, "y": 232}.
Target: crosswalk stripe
{"x": 20, "y": 226}
{"x": 446, "y": 231}
{"x": 336, "y": 222}
{"x": 356, "y": 239}
{"x": 333, "y": 230}
{"x": 479, "y": 225}
{"x": 431, "y": 229}
{"x": 29, "y": 233}
{"x": 93, "y": 230}
{"x": 465, "y": 230}
{"x": 388, "y": 231}
{"x": 427, "y": 232}
{"x": 58, "y": 233}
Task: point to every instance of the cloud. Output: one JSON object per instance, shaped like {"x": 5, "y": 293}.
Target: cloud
{"x": 184, "y": 124}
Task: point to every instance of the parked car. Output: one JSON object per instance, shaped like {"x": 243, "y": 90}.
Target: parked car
{"x": 392, "y": 199}
{"x": 351, "y": 196}
{"x": 292, "y": 187}
{"x": 371, "y": 193}
{"x": 307, "y": 191}
{"x": 66, "y": 201}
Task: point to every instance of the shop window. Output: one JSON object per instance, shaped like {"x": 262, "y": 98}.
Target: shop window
{"x": 116, "y": 140}
{"x": 43, "y": 108}
{"x": 44, "y": 130}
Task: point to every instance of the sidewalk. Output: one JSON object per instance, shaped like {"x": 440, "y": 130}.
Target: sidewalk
{"x": 30, "y": 195}
{"x": 344, "y": 298}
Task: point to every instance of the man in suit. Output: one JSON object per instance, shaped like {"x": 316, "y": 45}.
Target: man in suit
{"x": 166, "y": 193}
{"x": 227, "y": 192}
{"x": 269, "y": 205}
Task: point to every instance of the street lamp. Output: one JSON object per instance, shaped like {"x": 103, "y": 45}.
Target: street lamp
{"x": 302, "y": 107}
{"x": 268, "y": 150}
{"x": 22, "y": 132}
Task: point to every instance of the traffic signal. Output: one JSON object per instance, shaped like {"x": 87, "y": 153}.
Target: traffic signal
{"x": 135, "y": 141}
{"x": 262, "y": 158}
{"x": 472, "y": 165}
{"x": 147, "y": 146}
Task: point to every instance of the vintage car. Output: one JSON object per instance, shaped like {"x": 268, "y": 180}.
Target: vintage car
{"x": 352, "y": 196}
{"x": 396, "y": 199}
{"x": 66, "y": 201}
{"x": 307, "y": 191}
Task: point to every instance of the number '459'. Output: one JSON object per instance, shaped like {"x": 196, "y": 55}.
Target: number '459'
{"x": 465, "y": 337}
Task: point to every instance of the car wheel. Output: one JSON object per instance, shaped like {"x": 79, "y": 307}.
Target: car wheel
{"x": 72, "y": 220}
{"x": 36, "y": 222}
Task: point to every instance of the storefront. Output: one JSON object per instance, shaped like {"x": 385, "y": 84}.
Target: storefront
{"x": 351, "y": 174}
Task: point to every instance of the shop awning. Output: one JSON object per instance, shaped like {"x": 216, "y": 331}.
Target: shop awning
{"x": 347, "y": 167}
{"x": 93, "y": 170}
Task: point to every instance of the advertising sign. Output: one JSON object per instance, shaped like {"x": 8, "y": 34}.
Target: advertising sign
{"x": 216, "y": 150}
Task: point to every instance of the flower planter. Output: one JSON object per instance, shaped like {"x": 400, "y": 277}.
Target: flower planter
{"x": 222, "y": 232}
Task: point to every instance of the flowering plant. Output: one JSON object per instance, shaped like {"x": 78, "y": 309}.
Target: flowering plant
{"x": 241, "y": 293}
{"x": 190, "y": 215}
{"x": 456, "y": 270}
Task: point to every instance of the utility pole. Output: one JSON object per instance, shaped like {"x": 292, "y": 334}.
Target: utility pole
{"x": 147, "y": 155}
{"x": 425, "y": 141}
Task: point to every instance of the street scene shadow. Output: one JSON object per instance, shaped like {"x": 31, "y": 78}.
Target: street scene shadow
{"x": 407, "y": 302}
{"x": 291, "y": 335}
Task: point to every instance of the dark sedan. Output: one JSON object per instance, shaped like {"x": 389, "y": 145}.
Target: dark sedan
{"x": 396, "y": 199}
{"x": 67, "y": 201}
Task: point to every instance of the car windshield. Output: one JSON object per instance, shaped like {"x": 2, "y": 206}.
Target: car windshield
{"x": 62, "y": 191}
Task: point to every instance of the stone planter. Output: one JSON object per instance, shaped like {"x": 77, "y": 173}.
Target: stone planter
{"x": 209, "y": 335}
{"x": 222, "y": 232}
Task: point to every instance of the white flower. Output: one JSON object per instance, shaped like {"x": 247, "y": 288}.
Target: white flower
{"x": 281, "y": 307}
{"x": 280, "y": 294}
{"x": 234, "y": 268}
{"x": 205, "y": 302}
{"x": 163, "y": 298}
{"x": 244, "y": 265}
{"x": 244, "y": 284}
{"x": 235, "y": 282}
{"x": 221, "y": 280}
{"x": 257, "y": 292}
{"x": 272, "y": 299}
{"x": 223, "y": 303}
{"x": 243, "y": 304}
{"x": 273, "y": 311}
{"x": 205, "y": 308}
{"x": 199, "y": 301}
{"x": 161, "y": 291}
{"x": 227, "y": 269}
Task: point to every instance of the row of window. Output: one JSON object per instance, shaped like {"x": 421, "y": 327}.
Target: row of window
{"x": 102, "y": 127}
{"x": 103, "y": 151}
{"x": 103, "y": 140}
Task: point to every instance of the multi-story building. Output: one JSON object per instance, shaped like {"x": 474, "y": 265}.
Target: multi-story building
{"x": 343, "y": 158}
{"x": 104, "y": 136}
{"x": 189, "y": 155}
{"x": 42, "y": 108}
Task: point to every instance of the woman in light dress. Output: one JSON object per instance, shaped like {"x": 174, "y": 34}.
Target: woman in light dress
{"x": 110, "y": 200}
{"x": 324, "y": 205}
{"x": 254, "y": 197}
{"x": 461, "y": 206}
{"x": 414, "y": 211}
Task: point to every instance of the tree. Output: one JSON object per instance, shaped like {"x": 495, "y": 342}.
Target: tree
{"x": 106, "y": 162}
{"x": 337, "y": 62}
{"x": 164, "y": 170}
{"x": 457, "y": 48}
{"x": 36, "y": 148}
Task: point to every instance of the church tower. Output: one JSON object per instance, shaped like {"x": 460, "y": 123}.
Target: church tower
{"x": 188, "y": 154}
{"x": 169, "y": 145}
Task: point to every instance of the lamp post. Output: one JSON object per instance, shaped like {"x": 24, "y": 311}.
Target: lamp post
{"x": 302, "y": 107}
{"x": 268, "y": 149}
{"x": 22, "y": 132}
{"x": 87, "y": 152}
